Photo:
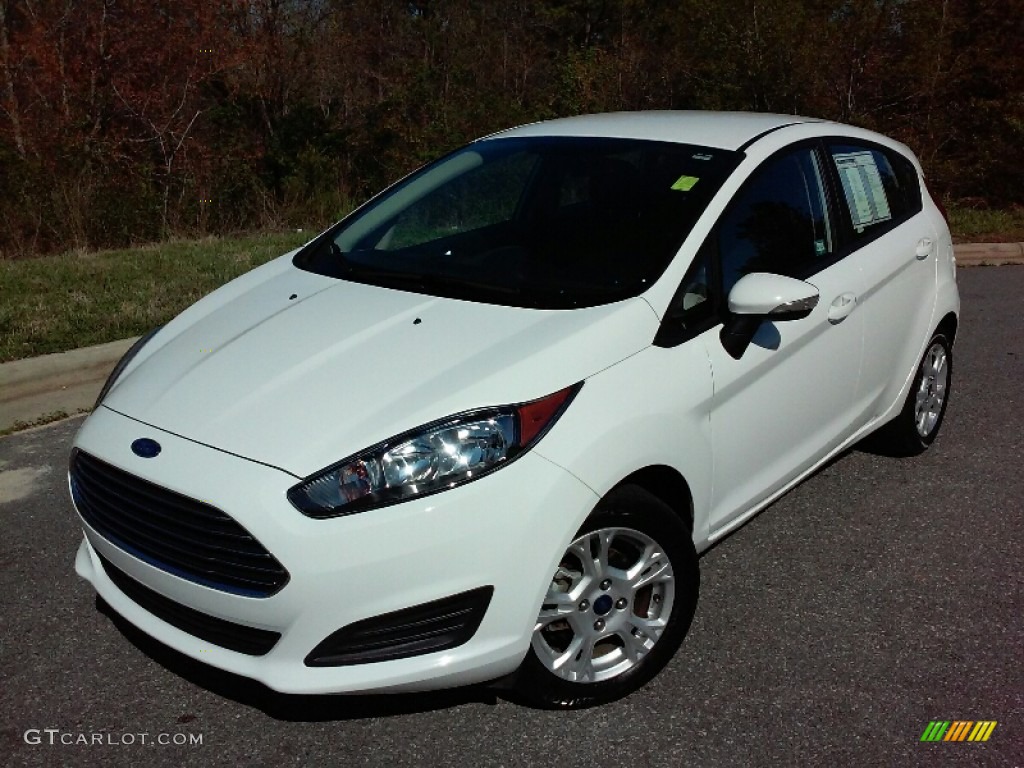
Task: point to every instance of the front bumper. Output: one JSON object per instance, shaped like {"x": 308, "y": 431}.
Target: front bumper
{"x": 506, "y": 530}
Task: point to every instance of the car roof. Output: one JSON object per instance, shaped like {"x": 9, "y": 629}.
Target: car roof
{"x": 722, "y": 130}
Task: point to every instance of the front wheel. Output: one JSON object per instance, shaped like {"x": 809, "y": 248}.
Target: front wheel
{"x": 619, "y": 604}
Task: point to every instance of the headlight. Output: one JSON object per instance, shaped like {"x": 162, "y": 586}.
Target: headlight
{"x": 133, "y": 350}
{"x": 432, "y": 458}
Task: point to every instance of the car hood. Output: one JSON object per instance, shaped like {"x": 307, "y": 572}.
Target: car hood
{"x": 298, "y": 371}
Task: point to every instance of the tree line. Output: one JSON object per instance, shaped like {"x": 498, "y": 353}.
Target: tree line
{"x": 125, "y": 121}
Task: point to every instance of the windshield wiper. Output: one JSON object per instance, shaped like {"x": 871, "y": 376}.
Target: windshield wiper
{"x": 424, "y": 282}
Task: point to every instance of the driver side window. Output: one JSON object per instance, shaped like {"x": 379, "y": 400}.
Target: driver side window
{"x": 778, "y": 222}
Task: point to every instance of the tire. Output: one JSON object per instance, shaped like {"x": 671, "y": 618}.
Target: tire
{"x": 918, "y": 423}
{"x": 619, "y": 605}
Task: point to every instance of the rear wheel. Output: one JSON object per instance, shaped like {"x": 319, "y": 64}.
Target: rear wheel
{"x": 619, "y": 604}
{"x": 918, "y": 424}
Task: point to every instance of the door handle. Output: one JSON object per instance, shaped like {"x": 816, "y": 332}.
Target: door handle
{"x": 841, "y": 307}
{"x": 924, "y": 248}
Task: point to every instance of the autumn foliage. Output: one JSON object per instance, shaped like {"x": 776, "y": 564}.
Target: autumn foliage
{"x": 126, "y": 120}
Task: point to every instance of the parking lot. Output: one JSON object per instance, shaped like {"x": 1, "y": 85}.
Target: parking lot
{"x": 876, "y": 597}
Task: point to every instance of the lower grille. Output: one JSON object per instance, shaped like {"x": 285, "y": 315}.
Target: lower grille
{"x": 226, "y": 634}
{"x": 426, "y": 628}
{"x": 183, "y": 536}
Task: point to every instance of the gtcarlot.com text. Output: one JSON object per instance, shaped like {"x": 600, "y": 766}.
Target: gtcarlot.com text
{"x": 59, "y": 737}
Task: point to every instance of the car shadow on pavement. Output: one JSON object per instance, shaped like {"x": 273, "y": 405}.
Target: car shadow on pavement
{"x": 876, "y": 444}
{"x": 292, "y": 707}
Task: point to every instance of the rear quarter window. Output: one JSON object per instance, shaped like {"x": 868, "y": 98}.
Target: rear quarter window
{"x": 909, "y": 184}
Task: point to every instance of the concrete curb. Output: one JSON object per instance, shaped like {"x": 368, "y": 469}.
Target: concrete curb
{"x": 37, "y": 387}
{"x": 988, "y": 254}
{"x": 64, "y": 381}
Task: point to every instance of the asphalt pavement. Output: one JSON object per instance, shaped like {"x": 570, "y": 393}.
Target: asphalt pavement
{"x": 878, "y": 596}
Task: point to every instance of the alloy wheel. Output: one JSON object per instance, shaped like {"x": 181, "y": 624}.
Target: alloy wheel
{"x": 931, "y": 394}
{"x": 607, "y": 606}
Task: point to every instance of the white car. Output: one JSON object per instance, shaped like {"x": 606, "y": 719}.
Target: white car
{"x": 482, "y": 427}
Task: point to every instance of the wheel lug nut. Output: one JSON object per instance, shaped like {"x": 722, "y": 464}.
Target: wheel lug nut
{"x": 584, "y": 605}
{"x": 621, "y": 603}
{"x": 599, "y": 625}
{"x": 657, "y": 598}
{"x": 606, "y": 584}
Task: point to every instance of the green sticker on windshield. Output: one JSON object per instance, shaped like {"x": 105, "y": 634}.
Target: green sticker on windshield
{"x": 685, "y": 183}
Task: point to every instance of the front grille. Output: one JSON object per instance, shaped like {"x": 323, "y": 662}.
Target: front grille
{"x": 182, "y": 536}
{"x": 226, "y": 634}
{"x": 427, "y": 628}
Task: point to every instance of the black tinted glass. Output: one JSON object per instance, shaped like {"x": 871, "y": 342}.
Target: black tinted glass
{"x": 875, "y": 196}
{"x": 778, "y": 222}
{"x": 541, "y": 222}
{"x": 909, "y": 184}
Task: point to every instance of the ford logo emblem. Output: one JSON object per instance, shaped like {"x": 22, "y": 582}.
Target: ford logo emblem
{"x": 145, "y": 448}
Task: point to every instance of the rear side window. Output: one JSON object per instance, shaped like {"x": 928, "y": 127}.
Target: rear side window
{"x": 879, "y": 188}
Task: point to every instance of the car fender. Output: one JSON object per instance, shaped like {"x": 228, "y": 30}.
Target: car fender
{"x": 632, "y": 416}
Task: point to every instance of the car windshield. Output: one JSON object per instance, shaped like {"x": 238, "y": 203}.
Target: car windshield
{"x": 551, "y": 222}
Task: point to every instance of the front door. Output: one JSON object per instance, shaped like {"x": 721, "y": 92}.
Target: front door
{"x": 789, "y": 400}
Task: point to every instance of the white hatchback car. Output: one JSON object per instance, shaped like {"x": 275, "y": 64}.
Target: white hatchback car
{"x": 481, "y": 428}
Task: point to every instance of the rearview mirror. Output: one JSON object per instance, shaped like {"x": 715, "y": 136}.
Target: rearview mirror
{"x": 762, "y": 296}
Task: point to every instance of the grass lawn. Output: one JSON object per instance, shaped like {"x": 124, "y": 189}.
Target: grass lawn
{"x": 982, "y": 225}
{"x": 55, "y": 303}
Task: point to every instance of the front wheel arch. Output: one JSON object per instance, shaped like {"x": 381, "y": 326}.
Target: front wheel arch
{"x": 666, "y": 484}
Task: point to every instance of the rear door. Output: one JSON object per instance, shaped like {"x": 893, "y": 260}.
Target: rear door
{"x": 893, "y": 244}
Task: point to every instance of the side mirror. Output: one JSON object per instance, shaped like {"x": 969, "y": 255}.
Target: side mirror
{"x": 762, "y": 296}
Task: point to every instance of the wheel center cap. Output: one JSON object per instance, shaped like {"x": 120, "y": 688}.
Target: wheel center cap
{"x": 603, "y": 604}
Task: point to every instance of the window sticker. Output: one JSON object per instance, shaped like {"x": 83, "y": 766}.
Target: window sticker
{"x": 862, "y": 184}
{"x": 685, "y": 183}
